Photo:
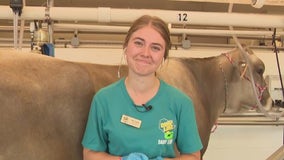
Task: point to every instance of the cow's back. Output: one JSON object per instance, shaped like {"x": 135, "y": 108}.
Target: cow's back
{"x": 44, "y": 106}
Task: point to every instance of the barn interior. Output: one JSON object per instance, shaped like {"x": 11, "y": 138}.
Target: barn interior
{"x": 93, "y": 31}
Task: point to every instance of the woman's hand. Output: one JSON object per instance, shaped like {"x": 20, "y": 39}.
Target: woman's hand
{"x": 135, "y": 156}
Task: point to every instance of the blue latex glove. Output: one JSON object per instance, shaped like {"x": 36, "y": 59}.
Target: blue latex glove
{"x": 135, "y": 156}
{"x": 158, "y": 158}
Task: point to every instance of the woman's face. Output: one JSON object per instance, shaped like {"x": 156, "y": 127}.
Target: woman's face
{"x": 145, "y": 51}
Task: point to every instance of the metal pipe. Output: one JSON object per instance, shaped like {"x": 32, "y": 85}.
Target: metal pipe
{"x": 22, "y": 28}
{"x": 204, "y": 32}
{"x": 175, "y": 31}
{"x": 129, "y": 15}
{"x": 15, "y": 23}
{"x": 252, "y": 2}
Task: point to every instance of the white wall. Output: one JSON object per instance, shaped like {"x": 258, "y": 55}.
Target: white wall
{"x": 102, "y": 56}
{"x": 244, "y": 142}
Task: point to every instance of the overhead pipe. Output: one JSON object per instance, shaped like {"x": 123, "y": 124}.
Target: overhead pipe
{"x": 28, "y": 13}
{"x": 254, "y": 3}
{"x": 57, "y": 27}
{"x": 204, "y": 32}
{"x": 104, "y": 14}
{"x": 217, "y": 32}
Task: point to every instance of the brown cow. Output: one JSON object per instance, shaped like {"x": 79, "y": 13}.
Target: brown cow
{"x": 45, "y": 101}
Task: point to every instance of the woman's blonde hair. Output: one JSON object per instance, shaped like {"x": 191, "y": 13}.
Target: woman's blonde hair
{"x": 158, "y": 24}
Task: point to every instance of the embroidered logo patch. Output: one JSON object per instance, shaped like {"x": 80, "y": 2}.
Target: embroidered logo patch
{"x": 167, "y": 127}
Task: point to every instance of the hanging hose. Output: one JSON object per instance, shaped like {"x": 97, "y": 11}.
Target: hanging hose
{"x": 15, "y": 23}
{"x": 17, "y": 6}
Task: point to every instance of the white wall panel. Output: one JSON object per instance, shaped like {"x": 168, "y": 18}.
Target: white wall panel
{"x": 244, "y": 142}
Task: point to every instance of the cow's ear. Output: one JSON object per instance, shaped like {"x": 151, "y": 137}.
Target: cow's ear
{"x": 248, "y": 50}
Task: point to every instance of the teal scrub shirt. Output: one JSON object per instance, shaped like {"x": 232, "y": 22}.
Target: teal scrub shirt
{"x": 119, "y": 127}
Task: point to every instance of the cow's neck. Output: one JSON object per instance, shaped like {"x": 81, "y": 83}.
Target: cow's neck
{"x": 229, "y": 71}
{"x": 219, "y": 80}
{"x": 225, "y": 80}
{"x": 216, "y": 74}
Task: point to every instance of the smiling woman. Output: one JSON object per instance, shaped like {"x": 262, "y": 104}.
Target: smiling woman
{"x": 145, "y": 51}
{"x": 121, "y": 120}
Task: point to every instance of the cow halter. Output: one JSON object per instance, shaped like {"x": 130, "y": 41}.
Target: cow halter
{"x": 260, "y": 88}
{"x": 225, "y": 87}
{"x": 214, "y": 128}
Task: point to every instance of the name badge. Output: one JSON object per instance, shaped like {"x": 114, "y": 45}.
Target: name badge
{"x": 131, "y": 121}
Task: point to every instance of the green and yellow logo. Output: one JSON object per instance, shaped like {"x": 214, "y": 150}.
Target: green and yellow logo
{"x": 167, "y": 126}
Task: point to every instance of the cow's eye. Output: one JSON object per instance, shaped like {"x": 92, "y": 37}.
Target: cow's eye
{"x": 260, "y": 71}
{"x": 242, "y": 64}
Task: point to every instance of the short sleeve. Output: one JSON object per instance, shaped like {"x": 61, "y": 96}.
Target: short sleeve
{"x": 188, "y": 139}
{"x": 94, "y": 137}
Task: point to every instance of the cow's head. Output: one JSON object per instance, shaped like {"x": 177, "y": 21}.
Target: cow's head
{"x": 247, "y": 84}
